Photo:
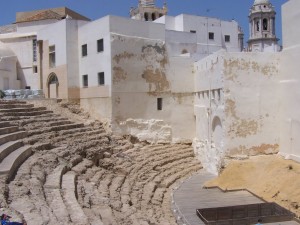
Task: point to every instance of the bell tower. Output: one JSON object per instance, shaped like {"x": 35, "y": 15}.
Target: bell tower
{"x": 147, "y": 11}
{"x": 262, "y": 27}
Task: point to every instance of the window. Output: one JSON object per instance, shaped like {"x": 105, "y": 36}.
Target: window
{"x": 193, "y": 31}
{"x": 84, "y": 50}
{"x": 100, "y": 45}
{"x": 34, "y": 49}
{"x": 101, "y": 80}
{"x": 35, "y": 69}
{"x": 85, "y": 80}
{"x": 257, "y": 26}
{"x": 52, "y": 56}
{"x": 227, "y": 38}
{"x": 211, "y": 36}
{"x": 153, "y": 16}
{"x": 265, "y": 24}
{"x": 159, "y": 103}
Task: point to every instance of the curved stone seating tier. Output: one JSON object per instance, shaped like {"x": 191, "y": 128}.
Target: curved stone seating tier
{"x": 7, "y": 130}
{"x": 11, "y": 163}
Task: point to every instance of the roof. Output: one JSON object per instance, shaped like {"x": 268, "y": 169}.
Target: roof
{"x": 45, "y": 14}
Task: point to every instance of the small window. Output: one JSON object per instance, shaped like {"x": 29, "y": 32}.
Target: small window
{"x": 34, "y": 49}
{"x": 85, "y": 80}
{"x": 101, "y": 79}
{"x": 227, "y": 38}
{"x": 27, "y": 87}
{"x": 100, "y": 45}
{"x": 193, "y": 31}
{"x": 35, "y": 69}
{"x": 159, "y": 103}
{"x": 84, "y": 50}
{"x": 52, "y": 56}
{"x": 211, "y": 36}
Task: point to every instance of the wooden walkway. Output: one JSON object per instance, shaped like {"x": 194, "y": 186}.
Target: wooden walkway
{"x": 191, "y": 196}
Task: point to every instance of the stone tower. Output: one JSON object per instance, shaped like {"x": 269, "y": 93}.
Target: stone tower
{"x": 262, "y": 27}
{"x": 147, "y": 11}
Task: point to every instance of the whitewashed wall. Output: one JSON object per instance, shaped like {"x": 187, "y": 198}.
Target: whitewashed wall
{"x": 290, "y": 81}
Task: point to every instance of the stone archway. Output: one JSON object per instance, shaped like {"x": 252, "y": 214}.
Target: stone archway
{"x": 217, "y": 132}
{"x": 53, "y": 86}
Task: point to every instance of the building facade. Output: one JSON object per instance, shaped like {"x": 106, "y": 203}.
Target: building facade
{"x": 171, "y": 79}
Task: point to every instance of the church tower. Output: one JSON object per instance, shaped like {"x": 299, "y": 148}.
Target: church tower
{"x": 147, "y": 11}
{"x": 262, "y": 27}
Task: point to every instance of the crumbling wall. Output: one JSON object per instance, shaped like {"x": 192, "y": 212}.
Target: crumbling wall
{"x": 251, "y": 103}
{"x": 236, "y": 106}
{"x": 142, "y": 72}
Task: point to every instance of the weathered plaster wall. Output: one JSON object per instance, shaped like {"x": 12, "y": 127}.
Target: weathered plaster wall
{"x": 251, "y": 102}
{"x": 241, "y": 120}
{"x": 290, "y": 81}
{"x": 142, "y": 71}
{"x": 22, "y": 48}
{"x": 8, "y": 73}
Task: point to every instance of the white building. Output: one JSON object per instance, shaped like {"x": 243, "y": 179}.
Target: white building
{"x": 8, "y": 65}
{"x": 246, "y": 103}
{"x": 136, "y": 73}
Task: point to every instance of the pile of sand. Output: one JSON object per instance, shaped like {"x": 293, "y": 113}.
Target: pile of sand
{"x": 270, "y": 177}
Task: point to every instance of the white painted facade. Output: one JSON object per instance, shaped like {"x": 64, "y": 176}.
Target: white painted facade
{"x": 211, "y": 34}
{"x": 8, "y": 73}
{"x": 289, "y": 81}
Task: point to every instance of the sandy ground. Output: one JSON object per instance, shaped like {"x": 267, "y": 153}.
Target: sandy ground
{"x": 270, "y": 177}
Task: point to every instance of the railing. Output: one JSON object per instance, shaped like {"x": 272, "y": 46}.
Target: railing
{"x": 245, "y": 214}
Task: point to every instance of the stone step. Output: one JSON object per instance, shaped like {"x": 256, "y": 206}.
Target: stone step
{"x": 7, "y": 130}
{"x": 12, "y": 137}
{"x": 60, "y": 123}
{"x": 53, "y": 195}
{"x": 18, "y": 114}
{"x": 8, "y": 148}
{"x": 5, "y": 124}
{"x": 12, "y": 106}
{"x": 69, "y": 191}
{"x": 13, "y": 110}
{"x": 14, "y": 160}
{"x": 67, "y": 127}
{"x": 55, "y": 178}
{"x": 40, "y": 119}
{"x": 11, "y": 102}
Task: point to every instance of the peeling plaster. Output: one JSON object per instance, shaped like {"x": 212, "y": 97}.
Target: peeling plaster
{"x": 124, "y": 55}
{"x": 119, "y": 74}
{"x": 156, "y": 79}
{"x": 230, "y": 108}
{"x": 245, "y": 128}
{"x": 255, "y": 150}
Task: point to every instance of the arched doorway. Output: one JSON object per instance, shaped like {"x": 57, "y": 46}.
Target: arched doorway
{"x": 217, "y": 132}
{"x": 53, "y": 86}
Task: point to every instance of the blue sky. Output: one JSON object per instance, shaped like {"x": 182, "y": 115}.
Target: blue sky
{"x": 94, "y": 9}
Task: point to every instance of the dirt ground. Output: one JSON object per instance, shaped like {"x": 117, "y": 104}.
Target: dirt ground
{"x": 270, "y": 177}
